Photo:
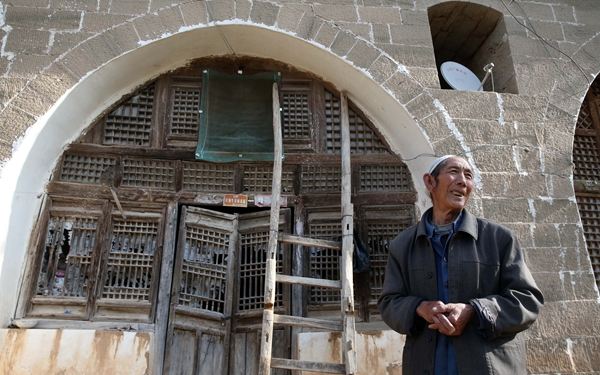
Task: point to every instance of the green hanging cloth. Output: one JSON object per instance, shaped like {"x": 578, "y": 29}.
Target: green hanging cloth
{"x": 236, "y": 118}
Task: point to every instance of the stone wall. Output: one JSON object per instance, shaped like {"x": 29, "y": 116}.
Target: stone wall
{"x": 520, "y": 145}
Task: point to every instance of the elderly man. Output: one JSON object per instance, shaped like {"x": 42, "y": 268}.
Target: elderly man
{"x": 457, "y": 285}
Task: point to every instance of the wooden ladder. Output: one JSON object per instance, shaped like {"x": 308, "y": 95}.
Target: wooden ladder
{"x": 347, "y": 322}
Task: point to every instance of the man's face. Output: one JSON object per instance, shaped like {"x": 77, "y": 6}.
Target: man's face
{"x": 451, "y": 189}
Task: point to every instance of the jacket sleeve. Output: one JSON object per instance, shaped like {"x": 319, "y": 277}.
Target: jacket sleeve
{"x": 397, "y": 306}
{"x": 519, "y": 300}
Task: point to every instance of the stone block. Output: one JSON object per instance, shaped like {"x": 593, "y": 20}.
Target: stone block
{"x": 550, "y": 259}
{"x": 507, "y": 210}
{"x": 548, "y": 356}
{"x": 336, "y": 12}
{"x": 411, "y": 35}
{"x": 545, "y": 235}
{"x": 78, "y": 62}
{"x": 342, "y": 44}
{"x": 435, "y": 126}
{"x": 242, "y": 9}
{"x": 482, "y": 131}
{"x": 497, "y": 158}
{"x": 148, "y": 27}
{"x": 362, "y": 30}
{"x": 336, "y": 2}
{"x": 533, "y": 10}
{"x": 5, "y": 150}
{"x": 547, "y": 30}
{"x": 580, "y": 285}
{"x": 290, "y": 15}
{"x": 130, "y": 7}
{"x": 29, "y": 66}
{"x": 417, "y": 56}
{"x": 309, "y": 26}
{"x": 469, "y": 104}
{"x": 27, "y": 41}
{"x": 416, "y": 17}
{"x": 363, "y": 54}
{"x": 264, "y": 13}
{"x": 403, "y": 87}
{"x": 586, "y": 12}
{"x": 523, "y": 233}
{"x": 31, "y": 3}
{"x": 421, "y": 106}
{"x": 40, "y": 95}
{"x": 379, "y": 14}
{"x": 577, "y": 34}
{"x": 326, "y": 35}
{"x": 194, "y": 13}
{"x": 592, "y": 345}
{"x": 570, "y": 234}
{"x": 381, "y": 33}
{"x": 449, "y": 145}
{"x": 171, "y": 20}
{"x": 521, "y": 108}
{"x": 10, "y": 87}
{"x": 558, "y": 211}
{"x": 101, "y": 49}
{"x": 13, "y": 123}
{"x": 97, "y": 22}
{"x": 558, "y": 164}
{"x": 164, "y": 4}
{"x": 530, "y": 186}
{"x": 427, "y": 77}
{"x": 87, "y": 6}
{"x": 382, "y": 69}
{"x": 125, "y": 37}
{"x": 551, "y": 284}
{"x": 564, "y": 12}
{"x": 42, "y": 19}
{"x": 559, "y": 186}
{"x": 557, "y": 141}
{"x": 220, "y": 10}
{"x": 570, "y": 319}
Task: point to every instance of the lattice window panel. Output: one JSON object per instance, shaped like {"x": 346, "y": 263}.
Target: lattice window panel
{"x": 149, "y": 173}
{"x": 204, "y": 271}
{"x": 295, "y": 116}
{"x": 363, "y": 139}
{"x": 321, "y": 179}
{"x": 589, "y": 210}
{"x": 185, "y": 111}
{"x": 67, "y": 258}
{"x": 584, "y": 121}
{"x": 208, "y": 177}
{"x": 596, "y": 87}
{"x": 84, "y": 168}
{"x": 130, "y": 270}
{"x": 131, "y": 123}
{"x": 586, "y": 158}
{"x": 252, "y": 262}
{"x": 384, "y": 178}
{"x": 325, "y": 263}
{"x": 259, "y": 179}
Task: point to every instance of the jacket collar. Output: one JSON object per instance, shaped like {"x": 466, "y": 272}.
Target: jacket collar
{"x": 469, "y": 224}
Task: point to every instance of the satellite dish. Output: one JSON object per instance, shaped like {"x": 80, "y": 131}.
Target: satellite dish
{"x": 460, "y": 77}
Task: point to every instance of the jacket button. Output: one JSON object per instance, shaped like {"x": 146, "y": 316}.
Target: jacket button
{"x": 429, "y": 275}
{"x": 429, "y": 338}
{"x": 446, "y": 284}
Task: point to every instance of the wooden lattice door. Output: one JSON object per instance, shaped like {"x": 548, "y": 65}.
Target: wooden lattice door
{"x": 217, "y": 293}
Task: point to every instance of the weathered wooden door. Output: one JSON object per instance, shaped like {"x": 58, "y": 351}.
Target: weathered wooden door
{"x": 217, "y": 293}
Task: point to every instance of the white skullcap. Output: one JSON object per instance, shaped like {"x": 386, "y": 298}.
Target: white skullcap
{"x": 437, "y": 162}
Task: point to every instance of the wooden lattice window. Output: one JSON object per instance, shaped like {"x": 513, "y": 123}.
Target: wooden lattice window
{"x": 149, "y": 173}
{"x": 185, "y": 110}
{"x": 198, "y": 176}
{"x": 131, "y": 123}
{"x": 88, "y": 169}
{"x": 321, "y": 179}
{"x": 385, "y": 178}
{"x": 295, "y": 116}
{"x": 586, "y": 175}
{"x": 259, "y": 179}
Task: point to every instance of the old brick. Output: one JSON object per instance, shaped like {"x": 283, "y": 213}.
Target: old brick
{"x": 556, "y": 211}
{"x": 97, "y": 22}
{"x": 379, "y": 14}
{"x": 289, "y": 16}
{"x": 171, "y": 20}
{"x": 469, "y": 104}
{"x": 337, "y": 12}
{"x": 382, "y": 69}
{"x": 421, "y": 106}
{"x": 264, "y": 13}
{"x": 342, "y": 44}
{"x": 326, "y": 34}
{"x": 42, "y": 19}
{"x": 363, "y": 54}
{"x": 131, "y": 7}
{"x": 411, "y": 35}
{"x": 427, "y": 77}
{"x": 242, "y": 9}
{"x": 548, "y": 356}
{"x": 381, "y": 33}
{"x": 362, "y": 30}
{"x": 29, "y": 66}
{"x": 220, "y": 10}
{"x": 403, "y": 87}
{"x": 410, "y": 55}
{"x": 78, "y": 62}
{"x": 194, "y": 13}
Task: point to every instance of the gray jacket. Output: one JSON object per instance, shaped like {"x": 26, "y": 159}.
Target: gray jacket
{"x": 486, "y": 269}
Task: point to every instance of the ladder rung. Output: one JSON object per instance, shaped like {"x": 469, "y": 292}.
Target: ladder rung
{"x": 295, "y": 364}
{"x": 309, "y": 281}
{"x": 312, "y": 242}
{"x": 299, "y": 321}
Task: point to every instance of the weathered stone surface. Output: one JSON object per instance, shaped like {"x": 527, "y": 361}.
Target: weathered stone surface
{"x": 552, "y": 320}
{"x": 552, "y": 286}
{"x": 523, "y": 231}
{"x": 420, "y": 106}
{"x": 97, "y": 22}
{"x": 162, "y": 4}
{"x": 29, "y": 66}
{"x": 411, "y": 35}
{"x": 382, "y": 69}
{"x": 78, "y": 62}
{"x": 243, "y": 9}
{"x": 381, "y": 33}
{"x": 507, "y": 210}
{"x": 309, "y": 26}
{"x": 427, "y": 77}
{"x": 545, "y": 235}
{"x": 10, "y": 87}
{"x": 548, "y": 356}
{"x": 414, "y": 17}
{"x": 171, "y": 20}
{"x": 124, "y": 37}
{"x": 363, "y": 54}
{"x": 264, "y": 13}
{"x": 580, "y": 285}
{"x": 88, "y": 6}
{"x": 220, "y": 10}
{"x": 556, "y": 211}
{"x": 131, "y": 7}
{"x": 361, "y": 30}
{"x": 326, "y": 34}
{"x": 337, "y": 12}
{"x": 547, "y": 30}
{"x": 342, "y": 44}
{"x": 379, "y": 14}
{"x": 42, "y": 19}
{"x": 194, "y": 13}
{"x": 27, "y": 41}
{"x": 13, "y": 123}
{"x": 469, "y": 104}
{"x": 563, "y": 13}
{"x": 101, "y": 49}
{"x": 410, "y": 55}
{"x": 403, "y": 87}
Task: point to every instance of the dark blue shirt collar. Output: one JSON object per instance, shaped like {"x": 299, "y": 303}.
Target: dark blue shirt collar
{"x": 430, "y": 228}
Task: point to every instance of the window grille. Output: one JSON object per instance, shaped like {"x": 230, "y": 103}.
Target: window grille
{"x": 204, "y": 272}
{"x": 130, "y": 270}
{"x": 253, "y": 258}
{"x": 259, "y": 179}
{"x": 185, "y": 111}
{"x": 589, "y": 210}
{"x": 67, "y": 258}
{"x": 384, "y": 178}
{"x": 586, "y": 158}
{"x": 295, "y": 116}
{"x": 325, "y": 263}
{"x": 321, "y": 179}
{"x": 596, "y": 88}
{"x": 199, "y": 176}
{"x": 363, "y": 139}
{"x": 131, "y": 123}
{"x": 149, "y": 173}
{"x": 84, "y": 168}
{"x": 584, "y": 120}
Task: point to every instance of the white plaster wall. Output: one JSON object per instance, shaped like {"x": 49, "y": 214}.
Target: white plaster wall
{"x": 44, "y": 351}
{"x": 23, "y": 177}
